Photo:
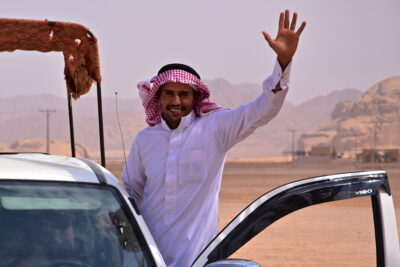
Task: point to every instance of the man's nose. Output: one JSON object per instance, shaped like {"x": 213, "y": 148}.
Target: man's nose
{"x": 176, "y": 100}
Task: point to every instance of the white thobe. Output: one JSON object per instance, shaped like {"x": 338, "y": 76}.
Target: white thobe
{"x": 175, "y": 175}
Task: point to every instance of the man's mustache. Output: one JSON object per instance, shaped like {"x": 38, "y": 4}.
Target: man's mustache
{"x": 176, "y": 106}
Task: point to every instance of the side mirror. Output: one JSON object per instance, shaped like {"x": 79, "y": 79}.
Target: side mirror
{"x": 233, "y": 263}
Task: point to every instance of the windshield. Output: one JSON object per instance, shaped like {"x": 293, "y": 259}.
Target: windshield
{"x": 61, "y": 224}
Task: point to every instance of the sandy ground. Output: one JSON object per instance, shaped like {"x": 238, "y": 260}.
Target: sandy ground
{"x": 340, "y": 233}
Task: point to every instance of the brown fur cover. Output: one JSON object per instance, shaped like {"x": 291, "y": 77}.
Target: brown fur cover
{"x": 78, "y": 44}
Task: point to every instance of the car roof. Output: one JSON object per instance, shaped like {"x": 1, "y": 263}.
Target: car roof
{"x": 38, "y": 166}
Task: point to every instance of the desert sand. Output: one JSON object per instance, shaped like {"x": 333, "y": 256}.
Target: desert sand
{"x": 339, "y": 233}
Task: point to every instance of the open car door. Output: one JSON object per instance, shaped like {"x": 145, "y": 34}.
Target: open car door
{"x": 303, "y": 193}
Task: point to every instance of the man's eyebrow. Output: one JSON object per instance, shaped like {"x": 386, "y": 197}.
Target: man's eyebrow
{"x": 178, "y": 91}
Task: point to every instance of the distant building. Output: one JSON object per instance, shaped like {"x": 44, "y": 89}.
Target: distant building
{"x": 380, "y": 155}
{"x": 323, "y": 151}
{"x": 391, "y": 155}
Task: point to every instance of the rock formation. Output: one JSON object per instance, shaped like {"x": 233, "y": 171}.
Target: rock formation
{"x": 372, "y": 121}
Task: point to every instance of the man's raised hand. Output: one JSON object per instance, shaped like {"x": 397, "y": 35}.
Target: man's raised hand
{"x": 287, "y": 39}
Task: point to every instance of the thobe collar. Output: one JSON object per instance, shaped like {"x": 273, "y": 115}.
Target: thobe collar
{"x": 185, "y": 122}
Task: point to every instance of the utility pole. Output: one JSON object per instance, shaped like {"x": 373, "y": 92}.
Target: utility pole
{"x": 377, "y": 126}
{"x": 293, "y": 131}
{"x": 48, "y": 113}
{"x": 355, "y": 134}
{"x": 375, "y": 123}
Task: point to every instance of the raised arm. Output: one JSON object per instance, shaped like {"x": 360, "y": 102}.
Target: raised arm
{"x": 235, "y": 125}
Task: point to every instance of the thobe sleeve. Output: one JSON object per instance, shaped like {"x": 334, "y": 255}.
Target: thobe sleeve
{"x": 133, "y": 174}
{"x": 232, "y": 126}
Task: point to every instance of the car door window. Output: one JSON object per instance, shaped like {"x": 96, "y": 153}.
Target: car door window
{"x": 339, "y": 233}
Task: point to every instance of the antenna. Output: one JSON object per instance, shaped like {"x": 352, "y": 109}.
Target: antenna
{"x": 120, "y": 131}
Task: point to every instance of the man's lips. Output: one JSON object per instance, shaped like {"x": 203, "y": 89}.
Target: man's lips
{"x": 176, "y": 111}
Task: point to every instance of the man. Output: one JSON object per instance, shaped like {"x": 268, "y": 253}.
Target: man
{"x": 175, "y": 166}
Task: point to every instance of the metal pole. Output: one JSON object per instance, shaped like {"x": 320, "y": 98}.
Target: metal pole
{"x": 101, "y": 132}
{"x": 71, "y": 125}
{"x": 47, "y": 132}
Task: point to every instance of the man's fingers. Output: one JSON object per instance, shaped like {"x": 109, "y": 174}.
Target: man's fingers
{"x": 300, "y": 30}
{"x": 281, "y": 18}
{"x": 267, "y": 37}
{"x": 287, "y": 16}
{"x": 294, "y": 20}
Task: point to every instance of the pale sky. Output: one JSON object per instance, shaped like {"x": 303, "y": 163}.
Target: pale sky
{"x": 346, "y": 44}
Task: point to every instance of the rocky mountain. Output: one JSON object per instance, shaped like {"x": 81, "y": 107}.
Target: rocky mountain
{"x": 276, "y": 137}
{"x": 20, "y": 119}
{"x": 372, "y": 121}
{"x": 319, "y": 108}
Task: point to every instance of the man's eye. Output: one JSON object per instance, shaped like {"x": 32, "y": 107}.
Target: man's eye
{"x": 184, "y": 94}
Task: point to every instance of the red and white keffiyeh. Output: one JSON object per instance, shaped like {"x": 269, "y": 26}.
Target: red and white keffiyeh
{"x": 148, "y": 93}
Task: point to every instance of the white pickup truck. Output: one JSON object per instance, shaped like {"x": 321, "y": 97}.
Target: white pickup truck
{"x": 62, "y": 211}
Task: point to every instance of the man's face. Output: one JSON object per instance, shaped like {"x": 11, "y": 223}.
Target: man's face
{"x": 177, "y": 101}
